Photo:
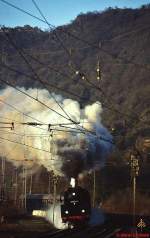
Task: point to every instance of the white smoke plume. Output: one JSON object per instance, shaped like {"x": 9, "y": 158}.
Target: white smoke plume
{"x": 64, "y": 153}
{"x": 54, "y": 217}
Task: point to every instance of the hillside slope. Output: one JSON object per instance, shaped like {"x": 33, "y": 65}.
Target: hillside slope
{"x": 117, "y": 38}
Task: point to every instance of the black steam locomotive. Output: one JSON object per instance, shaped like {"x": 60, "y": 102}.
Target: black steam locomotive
{"x": 76, "y": 207}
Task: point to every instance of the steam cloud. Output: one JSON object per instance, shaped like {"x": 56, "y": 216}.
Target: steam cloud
{"x": 67, "y": 153}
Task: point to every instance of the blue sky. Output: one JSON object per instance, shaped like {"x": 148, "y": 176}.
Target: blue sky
{"x": 57, "y": 12}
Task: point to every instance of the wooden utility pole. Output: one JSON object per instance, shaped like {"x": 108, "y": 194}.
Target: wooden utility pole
{"x": 94, "y": 187}
{"x": 31, "y": 180}
{"x": 55, "y": 180}
{"x": 24, "y": 187}
{"x": 134, "y": 174}
{"x": 3, "y": 60}
{"x": 16, "y": 186}
{"x": 49, "y": 183}
{"x": 3, "y": 163}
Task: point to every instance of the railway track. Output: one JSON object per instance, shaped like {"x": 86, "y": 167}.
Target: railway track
{"x": 101, "y": 231}
{"x": 57, "y": 233}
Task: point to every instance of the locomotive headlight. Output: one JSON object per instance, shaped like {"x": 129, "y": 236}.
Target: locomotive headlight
{"x": 66, "y": 212}
{"x": 83, "y": 211}
{"x": 73, "y": 194}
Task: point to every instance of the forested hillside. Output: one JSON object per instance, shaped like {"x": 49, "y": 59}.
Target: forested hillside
{"x": 99, "y": 56}
{"x": 117, "y": 38}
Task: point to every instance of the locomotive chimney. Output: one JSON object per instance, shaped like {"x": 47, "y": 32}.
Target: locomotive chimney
{"x": 73, "y": 182}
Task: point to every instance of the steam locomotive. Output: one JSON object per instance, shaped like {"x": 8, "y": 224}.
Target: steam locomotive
{"x": 76, "y": 207}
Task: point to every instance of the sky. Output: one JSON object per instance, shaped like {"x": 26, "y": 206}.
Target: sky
{"x": 57, "y": 12}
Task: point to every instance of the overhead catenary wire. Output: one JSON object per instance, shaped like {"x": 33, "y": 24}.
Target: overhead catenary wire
{"x": 79, "y": 98}
{"x": 16, "y": 109}
{"x": 107, "y": 52}
{"x": 46, "y": 135}
{"x": 35, "y": 124}
{"x": 52, "y": 68}
{"x": 22, "y": 135}
{"x": 69, "y": 33}
{"x": 35, "y": 99}
{"x": 99, "y": 89}
{"x": 6, "y": 155}
{"x": 24, "y": 144}
{"x": 68, "y": 53}
{"x": 74, "y": 66}
{"x": 20, "y": 52}
{"x": 57, "y": 102}
{"x": 51, "y": 28}
{"x": 36, "y": 76}
{"x": 81, "y": 130}
{"x": 17, "y": 142}
{"x": 58, "y": 88}
{"x": 36, "y": 148}
{"x": 24, "y": 115}
{"x": 45, "y": 82}
{"x": 77, "y": 37}
{"x": 59, "y": 40}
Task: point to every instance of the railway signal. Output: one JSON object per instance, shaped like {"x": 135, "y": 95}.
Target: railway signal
{"x": 99, "y": 73}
